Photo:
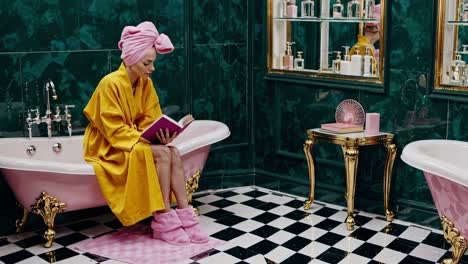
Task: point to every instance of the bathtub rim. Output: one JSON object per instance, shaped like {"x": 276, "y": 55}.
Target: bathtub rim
{"x": 414, "y": 156}
{"x": 220, "y": 133}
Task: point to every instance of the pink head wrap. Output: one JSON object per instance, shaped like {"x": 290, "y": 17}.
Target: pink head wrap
{"x": 136, "y": 41}
{"x": 376, "y": 16}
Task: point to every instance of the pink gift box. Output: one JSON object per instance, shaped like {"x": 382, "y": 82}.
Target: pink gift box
{"x": 372, "y": 123}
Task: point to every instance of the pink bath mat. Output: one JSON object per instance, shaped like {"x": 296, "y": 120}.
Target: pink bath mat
{"x": 135, "y": 244}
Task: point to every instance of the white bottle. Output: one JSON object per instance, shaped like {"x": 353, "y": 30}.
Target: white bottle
{"x": 292, "y": 9}
{"x": 284, "y": 8}
{"x": 368, "y": 59}
{"x": 356, "y": 63}
{"x": 354, "y": 9}
{"x": 299, "y": 61}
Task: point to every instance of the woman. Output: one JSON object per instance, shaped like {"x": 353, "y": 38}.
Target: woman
{"x": 136, "y": 178}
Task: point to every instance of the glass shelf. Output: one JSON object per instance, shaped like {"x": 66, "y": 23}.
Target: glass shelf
{"x": 458, "y": 22}
{"x": 328, "y": 71}
{"x": 329, "y": 19}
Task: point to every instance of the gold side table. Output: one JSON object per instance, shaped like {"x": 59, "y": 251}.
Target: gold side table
{"x": 350, "y": 143}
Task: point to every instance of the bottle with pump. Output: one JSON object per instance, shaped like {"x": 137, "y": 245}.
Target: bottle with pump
{"x": 292, "y": 9}
{"x": 336, "y": 63}
{"x": 345, "y": 64}
{"x": 356, "y": 63}
{"x": 354, "y": 9}
{"x": 337, "y": 9}
{"x": 307, "y": 8}
{"x": 288, "y": 58}
{"x": 368, "y": 62}
{"x": 299, "y": 61}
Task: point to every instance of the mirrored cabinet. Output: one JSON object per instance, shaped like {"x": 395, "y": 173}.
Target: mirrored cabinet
{"x": 451, "y": 67}
{"x": 339, "y": 39}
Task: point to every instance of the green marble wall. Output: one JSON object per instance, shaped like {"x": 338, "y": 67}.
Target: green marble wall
{"x": 74, "y": 43}
{"x": 284, "y": 109}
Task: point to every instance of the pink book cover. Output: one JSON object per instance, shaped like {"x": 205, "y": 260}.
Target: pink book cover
{"x": 342, "y": 127}
{"x": 164, "y": 122}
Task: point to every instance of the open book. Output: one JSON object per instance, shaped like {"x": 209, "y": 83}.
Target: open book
{"x": 164, "y": 122}
{"x": 342, "y": 127}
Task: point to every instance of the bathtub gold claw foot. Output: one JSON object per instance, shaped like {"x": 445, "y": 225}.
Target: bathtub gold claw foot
{"x": 20, "y": 223}
{"x": 350, "y": 222}
{"x": 459, "y": 243}
{"x": 389, "y": 215}
{"x": 190, "y": 186}
{"x": 308, "y": 204}
{"x": 48, "y": 207}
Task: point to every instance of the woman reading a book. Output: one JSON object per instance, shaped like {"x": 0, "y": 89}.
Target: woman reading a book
{"x": 136, "y": 178}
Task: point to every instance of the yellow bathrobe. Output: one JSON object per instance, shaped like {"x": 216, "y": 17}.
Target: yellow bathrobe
{"x": 124, "y": 167}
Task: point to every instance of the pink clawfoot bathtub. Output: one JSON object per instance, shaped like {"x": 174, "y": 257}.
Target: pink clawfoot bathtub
{"x": 445, "y": 167}
{"x": 49, "y": 176}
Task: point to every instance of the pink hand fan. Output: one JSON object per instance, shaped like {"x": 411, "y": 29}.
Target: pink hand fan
{"x": 351, "y": 112}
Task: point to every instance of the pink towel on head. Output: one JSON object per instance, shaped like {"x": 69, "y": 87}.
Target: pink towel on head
{"x": 136, "y": 41}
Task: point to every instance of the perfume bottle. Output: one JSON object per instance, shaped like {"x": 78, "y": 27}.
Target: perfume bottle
{"x": 457, "y": 70}
{"x": 337, "y": 9}
{"x": 307, "y": 8}
{"x": 292, "y": 9}
{"x": 369, "y": 9}
{"x": 288, "y": 58}
{"x": 299, "y": 61}
{"x": 368, "y": 62}
{"x": 354, "y": 9}
{"x": 336, "y": 63}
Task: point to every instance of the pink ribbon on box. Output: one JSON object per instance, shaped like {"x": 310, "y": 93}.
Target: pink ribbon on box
{"x": 136, "y": 41}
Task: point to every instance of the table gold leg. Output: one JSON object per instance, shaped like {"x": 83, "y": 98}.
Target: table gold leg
{"x": 351, "y": 156}
{"x": 310, "y": 164}
{"x": 391, "y": 153}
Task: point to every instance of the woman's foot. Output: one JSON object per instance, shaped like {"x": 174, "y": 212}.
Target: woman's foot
{"x": 167, "y": 227}
{"x": 189, "y": 221}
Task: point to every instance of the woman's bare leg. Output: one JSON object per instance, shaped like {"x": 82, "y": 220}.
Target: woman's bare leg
{"x": 178, "y": 179}
{"x": 162, "y": 157}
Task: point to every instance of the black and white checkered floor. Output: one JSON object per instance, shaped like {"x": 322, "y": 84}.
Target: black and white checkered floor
{"x": 259, "y": 226}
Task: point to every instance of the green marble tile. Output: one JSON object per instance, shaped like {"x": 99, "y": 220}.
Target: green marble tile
{"x": 260, "y": 34}
{"x": 410, "y": 40}
{"x": 267, "y": 182}
{"x": 11, "y": 93}
{"x": 219, "y": 21}
{"x": 39, "y": 25}
{"x": 101, "y": 23}
{"x": 238, "y": 181}
{"x": 221, "y": 93}
{"x": 458, "y": 121}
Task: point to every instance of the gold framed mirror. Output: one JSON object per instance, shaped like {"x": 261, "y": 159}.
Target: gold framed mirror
{"x": 451, "y": 67}
{"x": 337, "y": 39}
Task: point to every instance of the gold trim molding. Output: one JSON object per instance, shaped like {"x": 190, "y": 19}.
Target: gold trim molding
{"x": 459, "y": 243}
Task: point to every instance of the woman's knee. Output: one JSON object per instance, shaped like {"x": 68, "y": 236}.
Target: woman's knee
{"x": 175, "y": 154}
{"x": 161, "y": 153}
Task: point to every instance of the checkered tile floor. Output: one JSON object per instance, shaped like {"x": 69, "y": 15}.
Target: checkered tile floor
{"x": 259, "y": 226}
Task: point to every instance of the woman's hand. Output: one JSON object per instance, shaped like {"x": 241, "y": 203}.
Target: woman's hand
{"x": 165, "y": 137}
